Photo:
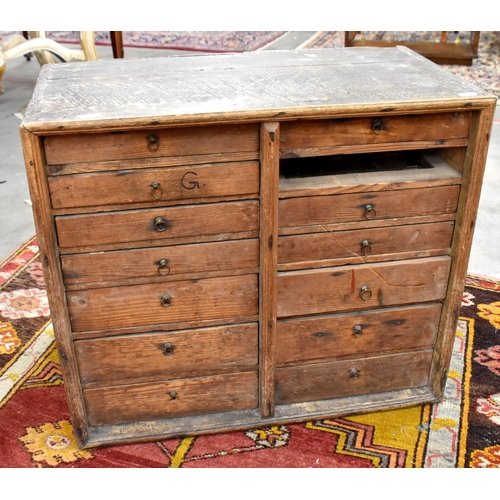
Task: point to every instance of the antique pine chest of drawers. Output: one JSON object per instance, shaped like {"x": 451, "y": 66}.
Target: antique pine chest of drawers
{"x": 232, "y": 241}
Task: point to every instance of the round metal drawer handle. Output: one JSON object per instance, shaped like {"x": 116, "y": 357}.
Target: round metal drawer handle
{"x": 163, "y": 268}
{"x": 365, "y": 293}
{"x": 370, "y": 213}
{"x": 173, "y": 395}
{"x": 160, "y": 224}
{"x": 168, "y": 349}
{"x": 156, "y": 191}
{"x": 377, "y": 126}
{"x": 358, "y": 331}
{"x": 153, "y": 143}
{"x": 354, "y": 374}
{"x": 366, "y": 247}
{"x": 166, "y": 300}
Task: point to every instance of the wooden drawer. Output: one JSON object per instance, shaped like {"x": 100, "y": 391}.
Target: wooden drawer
{"x": 180, "y": 354}
{"x": 356, "y": 334}
{"x": 155, "y": 185}
{"x": 362, "y": 244}
{"x": 341, "y": 288}
{"x": 352, "y": 377}
{"x": 162, "y": 263}
{"x": 363, "y": 207}
{"x": 160, "y": 303}
{"x": 152, "y": 143}
{"x": 304, "y": 135}
{"x": 158, "y": 225}
{"x": 176, "y": 398}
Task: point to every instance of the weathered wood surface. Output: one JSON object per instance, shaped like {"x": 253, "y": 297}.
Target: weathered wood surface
{"x": 169, "y": 142}
{"x": 109, "y": 95}
{"x": 341, "y": 288}
{"x": 364, "y": 245}
{"x": 319, "y": 338}
{"x": 175, "y": 398}
{"x": 181, "y": 354}
{"x": 155, "y": 185}
{"x": 352, "y": 377}
{"x": 213, "y": 298}
{"x": 318, "y": 210}
{"x": 160, "y": 264}
{"x": 371, "y": 130}
{"x": 142, "y": 226}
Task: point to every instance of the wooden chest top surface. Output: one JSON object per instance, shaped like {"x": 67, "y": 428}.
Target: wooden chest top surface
{"x": 281, "y": 85}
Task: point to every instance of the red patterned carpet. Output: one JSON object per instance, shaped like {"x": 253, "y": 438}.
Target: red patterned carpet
{"x": 461, "y": 432}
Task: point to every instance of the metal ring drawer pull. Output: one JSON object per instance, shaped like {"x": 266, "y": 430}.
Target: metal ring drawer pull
{"x": 366, "y": 247}
{"x": 377, "y": 126}
{"x": 156, "y": 192}
{"x": 168, "y": 349}
{"x": 163, "y": 268}
{"x": 160, "y": 224}
{"x": 358, "y": 331}
{"x": 173, "y": 395}
{"x": 166, "y": 300}
{"x": 370, "y": 213}
{"x": 365, "y": 293}
{"x": 153, "y": 143}
{"x": 354, "y": 374}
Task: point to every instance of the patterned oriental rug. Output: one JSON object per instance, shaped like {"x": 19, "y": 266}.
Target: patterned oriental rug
{"x": 484, "y": 72}
{"x": 207, "y": 41}
{"x": 461, "y": 432}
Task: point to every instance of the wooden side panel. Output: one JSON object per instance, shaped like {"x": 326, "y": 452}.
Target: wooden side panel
{"x": 176, "y": 398}
{"x": 140, "y": 144}
{"x": 371, "y": 130}
{"x": 307, "y": 211}
{"x": 157, "y": 224}
{"x": 362, "y": 243}
{"x": 154, "y": 185}
{"x": 342, "y": 288}
{"x": 319, "y": 338}
{"x": 269, "y": 141}
{"x": 179, "y": 354}
{"x": 154, "y": 304}
{"x": 352, "y": 377}
{"x": 161, "y": 263}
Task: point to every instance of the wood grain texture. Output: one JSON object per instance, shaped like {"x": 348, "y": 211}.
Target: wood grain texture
{"x": 269, "y": 143}
{"x": 142, "y": 305}
{"x": 181, "y": 397}
{"x": 139, "y": 225}
{"x": 110, "y": 95}
{"x": 320, "y": 338}
{"x": 338, "y": 289}
{"x": 336, "y": 379}
{"x": 318, "y": 210}
{"x": 155, "y": 185}
{"x": 181, "y": 354}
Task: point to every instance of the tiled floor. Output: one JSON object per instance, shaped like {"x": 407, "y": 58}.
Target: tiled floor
{"x": 16, "y": 220}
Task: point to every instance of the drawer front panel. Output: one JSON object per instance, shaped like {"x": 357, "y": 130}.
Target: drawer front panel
{"x": 372, "y": 130}
{"x": 184, "y": 141}
{"x": 156, "y": 304}
{"x": 178, "y": 354}
{"x": 157, "y": 224}
{"x": 326, "y": 337}
{"x": 352, "y": 377}
{"x": 363, "y": 243}
{"x": 155, "y": 185}
{"x": 362, "y": 207}
{"x": 176, "y": 398}
{"x": 169, "y": 262}
{"x": 342, "y": 288}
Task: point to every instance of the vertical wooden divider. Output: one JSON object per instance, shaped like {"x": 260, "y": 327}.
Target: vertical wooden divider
{"x": 269, "y": 187}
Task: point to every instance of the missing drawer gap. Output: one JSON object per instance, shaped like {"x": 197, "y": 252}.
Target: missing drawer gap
{"x": 293, "y": 168}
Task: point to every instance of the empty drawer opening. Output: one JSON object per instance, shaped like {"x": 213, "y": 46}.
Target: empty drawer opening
{"x": 292, "y": 168}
